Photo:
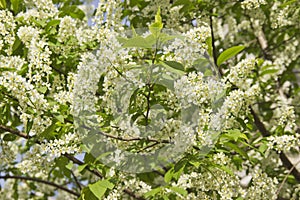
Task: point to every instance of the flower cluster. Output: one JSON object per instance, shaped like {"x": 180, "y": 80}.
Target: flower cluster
{"x": 280, "y": 16}
{"x": 283, "y": 143}
{"x": 252, "y": 4}
{"x": 34, "y": 163}
{"x": 40, "y": 9}
{"x": 67, "y": 28}
{"x": 32, "y": 104}
{"x": 68, "y": 144}
{"x": 189, "y": 49}
{"x": 7, "y": 33}
{"x": 238, "y": 74}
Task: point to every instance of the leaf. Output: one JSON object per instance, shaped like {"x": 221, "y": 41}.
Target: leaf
{"x": 152, "y": 192}
{"x": 209, "y": 44}
{"x": 287, "y": 3}
{"x": 16, "y": 44}
{"x": 3, "y": 4}
{"x": 237, "y": 149}
{"x": 179, "y": 190}
{"x": 2, "y": 69}
{"x": 168, "y": 176}
{"x": 226, "y": 169}
{"x": 263, "y": 147}
{"x": 81, "y": 167}
{"x": 268, "y": 71}
{"x": 137, "y": 41}
{"x": 49, "y": 133}
{"x": 97, "y": 189}
{"x": 175, "y": 65}
{"x": 42, "y": 89}
{"x": 87, "y": 194}
{"x": 73, "y": 11}
{"x": 60, "y": 118}
{"x": 15, "y": 5}
{"x": 235, "y": 134}
{"x": 229, "y": 53}
{"x": 70, "y": 165}
{"x": 9, "y": 137}
{"x": 106, "y": 184}
{"x": 172, "y": 69}
{"x": 28, "y": 126}
{"x": 156, "y": 27}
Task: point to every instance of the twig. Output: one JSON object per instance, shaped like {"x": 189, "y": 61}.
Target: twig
{"x": 40, "y": 181}
{"x": 76, "y": 180}
{"x": 128, "y": 139}
{"x": 286, "y": 176}
{"x": 285, "y": 160}
{"x": 214, "y": 50}
{"x": 15, "y": 132}
{"x": 70, "y": 157}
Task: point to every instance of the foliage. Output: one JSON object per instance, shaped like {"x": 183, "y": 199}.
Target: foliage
{"x": 64, "y": 63}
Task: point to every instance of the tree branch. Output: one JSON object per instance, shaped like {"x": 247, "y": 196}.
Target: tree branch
{"x": 214, "y": 50}
{"x": 15, "y": 132}
{"x": 70, "y": 157}
{"x": 41, "y": 181}
{"x": 128, "y": 139}
{"x": 285, "y": 160}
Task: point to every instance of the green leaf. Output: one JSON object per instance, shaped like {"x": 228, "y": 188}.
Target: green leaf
{"x": 3, "y": 4}
{"x": 263, "y": 147}
{"x": 97, "y": 189}
{"x": 15, "y": 5}
{"x": 229, "y": 53}
{"x": 49, "y": 131}
{"x": 268, "y": 71}
{"x": 73, "y": 11}
{"x": 16, "y": 44}
{"x": 9, "y": 137}
{"x": 175, "y": 65}
{"x": 28, "y": 126}
{"x": 2, "y": 69}
{"x": 42, "y": 89}
{"x": 172, "y": 68}
{"x": 168, "y": 176}
{"x": 209, "y": 44}
{"x": 236, "y": 134}
{"x": 70, "y": 165}
{"x": 137, "y": 41}
{"x": 60, "y": 118}
{"x": 52, "y": 23}
{"x": 179, "y": 190}
{"x": 226, "y": 169}
{"x": 195, "y": 163}
{"x": 153, "y": 192}
{"x": 81, "y": 167}
{"x": 287, "y": 3}
{"x": 106, "y": 184}
{"x": 156, "y": 27}
{"x": 87, "y": 194}
{"x": 237, "y": 149}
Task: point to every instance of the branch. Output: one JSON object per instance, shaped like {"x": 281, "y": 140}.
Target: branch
{"x": 128, "y": 139}
{"x": 76, "y": 180}
{"x": 260, "y": 126}
{"x": 285, "y": 160}
{"x": 15, "y": 132}
{"x": 130, "y": 193}
{"x": 70, "y": 157}
{"x": 40, "y": 181}
{"x": 286, "y": 176}
{"x": 215, "y": 57}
